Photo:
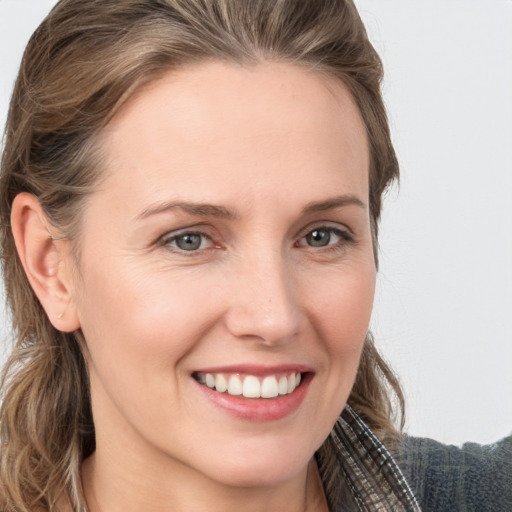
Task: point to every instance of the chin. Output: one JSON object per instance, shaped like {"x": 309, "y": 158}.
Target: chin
{"x": 267, "y": 474}
{"x": 262, "y": 465}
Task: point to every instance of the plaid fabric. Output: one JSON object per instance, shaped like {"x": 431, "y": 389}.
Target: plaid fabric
{"x": 358, "y": 472}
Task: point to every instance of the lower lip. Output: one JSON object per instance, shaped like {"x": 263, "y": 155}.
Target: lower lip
{"x": 260, "y": 409}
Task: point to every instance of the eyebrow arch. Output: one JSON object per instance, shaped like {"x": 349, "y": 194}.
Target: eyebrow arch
{"x": 197, "y": 209}
{"x": 221, "y": 212}
{"x": 334, "y": 202}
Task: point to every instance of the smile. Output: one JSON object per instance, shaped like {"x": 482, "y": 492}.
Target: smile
{"x": 250, "y": 386}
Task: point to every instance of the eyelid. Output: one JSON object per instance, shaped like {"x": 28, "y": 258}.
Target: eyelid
{"x": 327, "y": 225}
{"x": 346, "y": 235}
{"x": 166, "y": 239}
{"x": 172, "y": 235}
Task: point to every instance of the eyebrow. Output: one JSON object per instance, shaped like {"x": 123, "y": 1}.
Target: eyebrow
{"x": 334, "y": 202}
{"x": 197, "y": 209}
{"x": 221, "y": 212}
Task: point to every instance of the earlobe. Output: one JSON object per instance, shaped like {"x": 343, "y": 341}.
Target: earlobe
{"x": 46, "y": 261}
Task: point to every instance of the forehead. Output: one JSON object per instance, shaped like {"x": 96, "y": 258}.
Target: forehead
{"x": 199, "y": 96}
{"x": 215, "y": 122}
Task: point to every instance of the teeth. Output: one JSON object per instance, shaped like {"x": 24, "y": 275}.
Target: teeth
{"x": 291, "y": 383}
{"x": 251, "y": 386}
{"x": 221, "y": 384}
{"x": 210, "y": 380}
{"x": 235, "y": 385}
{"x": 269, "y": 387}
{"x": 282, "y": 386}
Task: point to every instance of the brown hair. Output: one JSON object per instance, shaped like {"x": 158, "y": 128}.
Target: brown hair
{"x": 79, "y": 68}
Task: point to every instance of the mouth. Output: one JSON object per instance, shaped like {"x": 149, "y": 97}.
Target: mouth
{"x": 250, "y": 386}
{"x": 256, "y": 393}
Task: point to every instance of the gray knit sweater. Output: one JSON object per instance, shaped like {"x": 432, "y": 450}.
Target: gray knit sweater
{"x": 359, "y": 473}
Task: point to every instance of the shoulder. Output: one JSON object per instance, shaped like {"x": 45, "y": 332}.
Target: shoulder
{"x": 446, "y": 478}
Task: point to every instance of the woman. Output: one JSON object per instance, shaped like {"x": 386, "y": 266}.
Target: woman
{"x": 190, "y": 201}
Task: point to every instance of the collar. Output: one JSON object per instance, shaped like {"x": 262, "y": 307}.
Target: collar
{"x": 358, "y": 472}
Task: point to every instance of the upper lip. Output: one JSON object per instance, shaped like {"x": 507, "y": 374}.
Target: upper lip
{"x": 256, "y": 370}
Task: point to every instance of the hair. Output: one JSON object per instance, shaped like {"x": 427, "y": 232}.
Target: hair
{"x": 79, "y": 68}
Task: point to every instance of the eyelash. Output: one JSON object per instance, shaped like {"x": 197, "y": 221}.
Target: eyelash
{"x": 345, "y": 237}
{"x": 168, "y": 239}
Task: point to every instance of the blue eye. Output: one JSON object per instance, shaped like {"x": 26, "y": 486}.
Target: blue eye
{"x": 325, "y": 237}
{"x": 188, "y": 242}
{"x": 318, "y": 238}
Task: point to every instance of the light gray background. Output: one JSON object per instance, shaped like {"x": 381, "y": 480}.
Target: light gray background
{"x": 444, "y": 300}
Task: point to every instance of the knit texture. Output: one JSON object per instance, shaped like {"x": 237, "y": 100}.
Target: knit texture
{"x": 473, "y": 478}
{"x": 360, "y": 475}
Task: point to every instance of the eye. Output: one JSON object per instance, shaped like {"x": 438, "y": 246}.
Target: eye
{"x": 325, "y": 237}
{"x": 188, "y": 242}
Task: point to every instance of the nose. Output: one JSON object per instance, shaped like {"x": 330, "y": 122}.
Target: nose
{"x": 263, "y": 302}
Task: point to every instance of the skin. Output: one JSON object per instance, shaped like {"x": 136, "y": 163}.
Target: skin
{"x": 264, "y": 143}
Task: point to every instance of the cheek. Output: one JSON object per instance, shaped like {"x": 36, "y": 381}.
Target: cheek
{"x": 343, "y": 308}
{"x": 139, "y": 327}
{"x": 140, "y": 314}
{"x": 340, "y": 314}
{"x": 343, "y": 311}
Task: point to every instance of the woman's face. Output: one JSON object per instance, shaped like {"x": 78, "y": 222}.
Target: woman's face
{"x": 229, "y": 245}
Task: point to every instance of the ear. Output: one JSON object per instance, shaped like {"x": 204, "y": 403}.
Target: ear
{"x": 47, "y": 261}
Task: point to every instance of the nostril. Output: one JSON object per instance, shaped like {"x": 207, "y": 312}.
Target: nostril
{"x": 270, "y": 324}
